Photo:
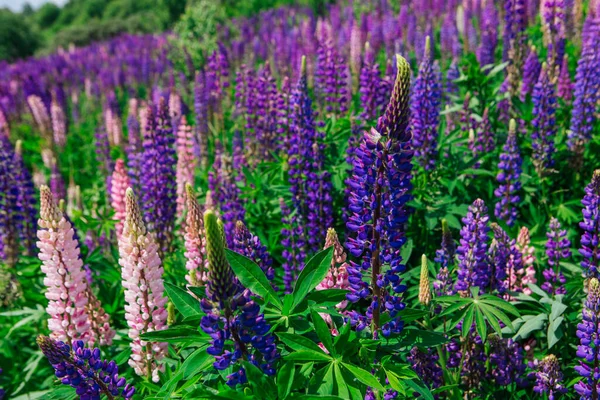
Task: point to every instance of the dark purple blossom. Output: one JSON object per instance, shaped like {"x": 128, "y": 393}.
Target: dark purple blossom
{"x": 509, "y": 178}
{"x": 425, "y": 364}
{"x": 445, "y": 256}
{"x": 590, "y": 239}
{"x": 588, "y": 332}
{"x": 557, "y": 249}
{"x": 473, "y": 268}
{"x": 249, "y": 245}
{"x": 544, "y": 122}
{"x": 548, "y": 378}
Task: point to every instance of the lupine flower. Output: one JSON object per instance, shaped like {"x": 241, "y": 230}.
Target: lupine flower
{"x": 134, "y": 147}
{"x": 473, "y": 361}
{"x": 523, "y": 246}
{"x": 587, "y": 332}
{"x": 381, "y": 187}
{"x": 531, "y": 72}
{"x": 57, "y": 184}
{"x": 120, "y": 183}
{"x": 553, "y": 15}
{"x": 590, "y": 239}
{"x": 509, "y": 178}
{"x": 103, "y": 157}
{"x": 144, "y": 292}
{"x": 83, "y": 369}
{"x": 489, "y": 35}
{"x": 585, "y": 94}
{"x": 445, "y": 256}
{"x": 369, "y": 81}
{"x": 249, "y": 245}
{"x": 10, "y": 212}
{"x": 473, "y": 269}
{"x": 544, "y": 122}
{"x": 233, "y": 319}
{"x": 557, "y": 249}
{"x": 424, "y": 284}
{"x": 425, "y": 363}
{"x": 514, "y": 37}
{"x": 59, "y": 124}
{"x": 64, "y": 275}
{"x": 195, "y": 241}
{"x": 564, "y": 87}
{"x": 186, "y": 162}
{"x": 425, "y": 108}
{"x": 293, "y": 242}
{"x": 548, "y": 377}
{"x": 201, "y": 116}
{"x": 25, "y": 201}
{"x": 452, "y": 74}
{"x": 484, "y": 141}
{"x": 40, "y": 114}
{"x": 331, "y": 73}
{"x": 507, "y": 361}
{"x": 337, "y": 277}
{"x": 158, "y": 180}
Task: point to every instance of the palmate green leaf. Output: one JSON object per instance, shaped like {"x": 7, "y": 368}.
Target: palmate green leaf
{"x": 184, "y": 302}
{"x": 421, "y": 389}
{"x": 285, "y": 379}
{"x": 322, "y": 330}
{"x": 341, "y": 387}
{"x": 363, "y": 376}
{"x": 501, "y": 316}
{"x": 313, "y": 273}
{"x": 480, "y": 324}
{"x": 323, "y": 381}
{"x": 177, "y": 334}
{"x": 307, "y": 355}
{"x": 297, "y": 342}
{"x": 557, "y": 310}
{"x": 499, "y": 303}
{"x": 259, "y": 382}
{"x": 196, "y": 362}
{"x": 252, "y": 277}
{"x": 328, "y": 296}
{"x": 555, "y": 331}
{"x": 491, "y": 318}
{"x": 468, "y": 321}
{"x": 532, "y": 323}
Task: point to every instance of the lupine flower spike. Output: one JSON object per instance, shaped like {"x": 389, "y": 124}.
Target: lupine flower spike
{"x": 424, "y": 284}
{"x": 195, "y": 241}
{"x": 548, "y": 377}
{"x": 588, "y": 350}
{"x": 337, "y": 277}
{"x": 473, "y": 269}
{"x": 557, "y": 249}
{"x": 142, "y": 279}
{"x": 445, "y": 256}
{"x": 509, "y": 178}
{"x": 590, "y": 239}
{"x": 120, "y": 183}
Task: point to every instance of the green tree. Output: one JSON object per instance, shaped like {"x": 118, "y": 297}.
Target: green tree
{"x": 17, "y": 39}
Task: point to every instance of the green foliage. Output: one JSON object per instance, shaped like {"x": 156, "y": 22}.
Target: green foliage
{"x": 18, "y": 39}
{"x": 47, "y": 15}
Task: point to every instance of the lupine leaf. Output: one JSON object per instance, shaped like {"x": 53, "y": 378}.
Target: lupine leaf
{"x": 313, "y": 273}
{"x": 363, "y": 376}
{"x": 252, "y": 277}
{"x": 285, "y": 379}
{"x": 298, "y": 342}
{"x": 322, "y": 331}
{"x": 184, "y": 302}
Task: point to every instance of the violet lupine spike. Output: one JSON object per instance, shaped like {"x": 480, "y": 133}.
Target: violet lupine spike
{"x": 64, "y": 275}
{"x": 294, "y": 246}
{"x": 514, "y": 38}
{"x": 331, "y": 74}
{"x": 452, "y": 74}
{"x": 195, "y": 241}
{"x": 564, "y": 87}
{"x": 588, "y": 349}
{"x": 103, "y": 157}
{"x": 425, "y": 363}
{"x": 425, "y": 109}
{"x": 445, "y": 256}
{"x": 509, "y": 178}
{"x": 381, "y": 181}
{"x": 503, "y": 260}
{"x": 557, "y": 249}
{"x": 134, "y": 148}
{"x": 10, "y": 213}
{"x": 158, "y": 181}
{"x": 489, "y": 35}
{"x": 473, "y": 268}
{"x": 59, "y": 124}
{"x": 201, "y": 117}
{"x": 507, "y": 361}
{"x": 369, "y": 81}
{"x": 249, "y": 245}
{"x": 40, "y": 115}
{"x": 544, "y": 122}
{"x": 186, "y": 162}
{"x": 233, "y": 319}
{"x": 57, "y": 183}
{"x": 25, "y": 201}
{"x": 553, "y": 17}
{"x": 141, "y": 272}
{"x": 531, "y": 72}
{"x": 83, "y": 369}
{"x": 120, "y": 183}
{"x": 585, "y": 94}
{"x": 549, "y": 378}
{"x": 590, "y": 239}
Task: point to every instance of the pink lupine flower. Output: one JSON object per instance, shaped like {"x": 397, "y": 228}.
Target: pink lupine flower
{"x": 114, "y": 128}
{"x": 98, "y": 320}
{"x": 186, "y": 162}
{"x": 195, "y": 241}
{"x": 4, "y": 126}
{"x": 59, "y": 124}
{"x": 523, "y": 244}
{"x": 65, "y": 278}
{"x": 40, "y": 114}
{"x": 142, "y": 279}
{"x": 120, "y": 183}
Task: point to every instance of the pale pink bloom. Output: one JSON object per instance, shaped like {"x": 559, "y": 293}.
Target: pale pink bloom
{"x": 195, "y": 241}
{"x": 356, "y": 47}
{"x": 59, "y": 124}
{"x": 120, "y": 183}
{"x": 186, "y": 162}
{"x": 99, "y": 320}
{"x": 4, "y": 127}
{"x": 142, "y": 273}
{"x": 114, "y": 129}
{"x": 40, "y": 114}
{"x": 175, "y": 109}
{"x": 64, "y": 275}
{"x": 524, "y": 246}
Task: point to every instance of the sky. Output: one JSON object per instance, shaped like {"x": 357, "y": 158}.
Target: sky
{"x": 17, "y": 5}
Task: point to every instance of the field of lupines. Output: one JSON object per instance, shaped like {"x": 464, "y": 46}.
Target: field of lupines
{"x": 386, "y": 201}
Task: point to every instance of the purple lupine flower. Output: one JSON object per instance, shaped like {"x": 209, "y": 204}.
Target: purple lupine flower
{"x": 564, "y": 87}
{"x": 134, "y": 148}
{"x": 381, "y": 187}
{"x": 425, "y": 109}
{"x": 83, "y": 369}
{"x": 368, "y": 85}
{"x": 483, "y": 140}
{"x": 452, "y": 74}
{"x": 57, "y": 183}
{"x": 103, "y": 158}
{"x": 557, "y": 248}
{"x": 553, "y": 16}
{"x": 588, "y": 350}
{"x": 445, "y": 257}
{"x": 548, "y": 378}
{"x": 501, "y": 259}
{"x": 9, "y": 213}
{"x": 249, "y": 245}
{"x": 586, "y": 94}
{"x": 265, "y": 114}
{"x": 158, "y": 180}
{"x": 293, "y": 242}
{"x": 233, "y": 320}
{"x": 25, "y": 201}
{"x": 425, "y": 364}
{"x": 509, "y": 178}
{"x": 514, "y": 38}
{"x": 590, "y": 239}
{"x": 544, "y": 122}
{"x": 473, "y": 269}
{"x": 331, "y": 74}
{"x": 489, "y": 35}
{"x": 531, "y": 72}
{"x": 507, "y": 361}
{"x": 201, "y": 117}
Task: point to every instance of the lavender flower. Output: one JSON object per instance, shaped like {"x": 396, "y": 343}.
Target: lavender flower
{"x": 548, "y": 377}
{"x": 445, "y": 257}
{"x": 489, "y": 35}
{"x": 557, "y": 248}
{"x": 590, "y": 240}
{"x": 425, "y": 108}
{"x": 587, "y": 332}
{"x": 425, "y": 364}
{"x": 531, "y": 72}
{"x": 293, "y": 242}
{"x": 83, "y": 369}
{"x": 249, "y": 245}
{"x": 509, "y": 178}
{"x": 380, "y": 189}
{"x": 564, "y": 87}
{"x": 473, "y": 269}
{"x": 544, "y": 122}
{"x": 506, "y": 361}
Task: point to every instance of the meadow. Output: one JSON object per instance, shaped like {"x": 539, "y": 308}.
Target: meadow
{"x": 375, "y": 200}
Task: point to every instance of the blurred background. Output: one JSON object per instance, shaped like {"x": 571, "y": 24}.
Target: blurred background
{"x": 38, "y": 27}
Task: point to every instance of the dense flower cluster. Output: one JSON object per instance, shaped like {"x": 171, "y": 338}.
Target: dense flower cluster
{"x": 548, "y": 377}
{"x": 557, "y": 249}
{"x": 590, "y": 239}
{"x": 544, "y": 122}
{"x": 473, "y": 269}
{"x": 509, "y": 178}
{"x": 587, "y": 332}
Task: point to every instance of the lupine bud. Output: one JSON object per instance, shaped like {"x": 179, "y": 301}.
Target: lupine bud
{"x": 222, "y": 283}
{"x": 424, "y": 284}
